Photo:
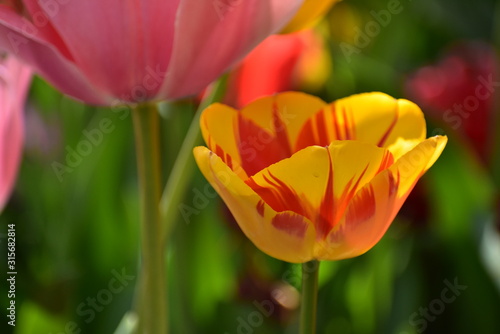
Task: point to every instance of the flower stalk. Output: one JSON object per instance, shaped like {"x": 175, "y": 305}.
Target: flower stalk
{"x": 309, "y": 297}
{"x": 151, "y": 300}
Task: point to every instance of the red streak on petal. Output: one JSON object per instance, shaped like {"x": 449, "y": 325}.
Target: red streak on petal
{"x": 292, "y": 224}
{"x": 332, "y": 209}
{"x": 394, "y": 183}
{"x": 223, "y": 155}
{"x": 350, "y": 190}
{"x": 350, "y": 131}
{"x": 336, "y": 126}
{"x": 362, "y": 207}
{"x": 278, "y": 195}
{"x": 321, "y": 130}
{"x": 315, "y": 130}
{"x": 259, "y": 147}
{"x": 326, "y": 215}
{"x": 389, "y": 130}
{"x": 260, "y": 208}
{"x": 387, "y": 161}
{"x": 280, "y": 131}
{"x": 220, "y": 152}
{"x": 229, "y": 161}
{"x": 306, "y": 135}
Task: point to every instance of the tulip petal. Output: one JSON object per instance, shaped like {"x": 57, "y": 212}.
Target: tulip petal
{"x": 297, "y": 183}
{"x": 375, "y": 118}
{"x": 283, "y": 235}
{"x": 282, "y": 112}
{"x": 17, "y": 37}
{"x": 365, "y": 221}
{"x": 374, "y": 207}
{"x": 139, "y": 35}
{"x": 259, "y": 135}
{"x": 224, "y": 32}
{"x": 14, "y": 83}
{"x": 354, "y": 165}
{"x": 218, "y": 126}
{"x": 318, "y": 182}
{"x": 411, "y": 166}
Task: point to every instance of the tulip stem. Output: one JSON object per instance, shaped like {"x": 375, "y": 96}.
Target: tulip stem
{"x": 151, "y": 302}
{"x": 309, "y": 297}
{"x": 184, "y": 165}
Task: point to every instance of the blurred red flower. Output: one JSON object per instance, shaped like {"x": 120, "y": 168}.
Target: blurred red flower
{"x": 280, "y": 63}
{"x": 458, "y": 90}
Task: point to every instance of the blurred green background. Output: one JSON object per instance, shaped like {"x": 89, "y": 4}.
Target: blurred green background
{"x": 77, "y": 233}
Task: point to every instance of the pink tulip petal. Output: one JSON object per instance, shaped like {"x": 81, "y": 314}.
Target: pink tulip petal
{"x": 212, "y": 35}
{"x": 105, "y": 51}
{"x": 121, "y": 46}
{"x": 47, "y": 60}
{"x": 14, "y": 82}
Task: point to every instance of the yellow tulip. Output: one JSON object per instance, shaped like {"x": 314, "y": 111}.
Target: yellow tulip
{"x": 309, "y": 180}
{"x": 308, "y": 14}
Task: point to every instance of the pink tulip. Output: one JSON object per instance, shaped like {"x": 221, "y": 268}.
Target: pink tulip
{"x": 110, "y": 51}
{"x": 15, "y": 78}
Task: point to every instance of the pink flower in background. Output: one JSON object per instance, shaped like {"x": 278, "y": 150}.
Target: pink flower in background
{"x": 106, "y": 51}
{"x": 14, "y": 82}
{"x": 458, "y": 91}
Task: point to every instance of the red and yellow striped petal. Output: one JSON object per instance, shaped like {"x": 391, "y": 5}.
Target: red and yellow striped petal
{"x": 318, "y": 182}
{"x": 284, "y": 112}
{"x": 374, "y": 207}
{"x": 354, "y": 165}
{"x": 412, "y": 165}
{"x": 366, "y": 219}
{"x": 261, "y": 134}
{"x": 217, "y": 127}
{"x": 297, "y": 183}
{"x": 284, "y": 235}
{"x": 375, "y": 118}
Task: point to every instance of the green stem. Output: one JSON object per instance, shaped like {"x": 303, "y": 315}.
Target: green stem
{"x": 309, "y": 297}
{"x": 184, "y": 166}
{"x": 152, "y": 308}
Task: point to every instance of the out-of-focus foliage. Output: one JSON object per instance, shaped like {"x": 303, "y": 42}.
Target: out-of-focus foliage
{"x": 77, "y": 234}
